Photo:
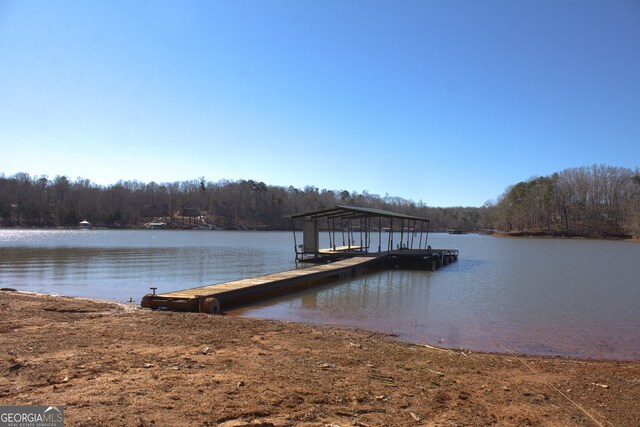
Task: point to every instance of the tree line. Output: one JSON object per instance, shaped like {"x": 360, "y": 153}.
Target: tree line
{"x": 596, "y": 201}
{"x": 38, "y": 201}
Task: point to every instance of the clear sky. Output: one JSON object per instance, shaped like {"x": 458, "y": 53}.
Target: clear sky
{"x": 447, "y": 102}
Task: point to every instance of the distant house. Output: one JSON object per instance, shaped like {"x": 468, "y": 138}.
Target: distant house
{"x": 156, "y": 225}
{"x": 85, "y": 224}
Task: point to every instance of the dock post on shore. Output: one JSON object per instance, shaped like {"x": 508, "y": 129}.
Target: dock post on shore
{"x": 349, "y": 254}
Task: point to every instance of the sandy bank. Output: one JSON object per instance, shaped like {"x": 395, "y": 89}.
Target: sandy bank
{"x": 114, "y": 366}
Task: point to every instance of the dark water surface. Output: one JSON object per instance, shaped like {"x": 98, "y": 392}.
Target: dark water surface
{"x": 537, "y": 296}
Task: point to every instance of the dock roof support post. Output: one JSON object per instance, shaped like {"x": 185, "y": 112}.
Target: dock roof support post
{"x": 350, "y": 233}
{"x": 333, "y": 224}
{"x": 295, "y": 243}
{"x": 352, "y": 239}
{"x": 367, "y": 223}
{"x": 379, "y": 234}
{"x": 427, "y": 236}
{"x": 413, "y": 232}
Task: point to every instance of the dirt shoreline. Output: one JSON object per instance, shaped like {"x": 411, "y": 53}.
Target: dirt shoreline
{"x": 112, "y": 364}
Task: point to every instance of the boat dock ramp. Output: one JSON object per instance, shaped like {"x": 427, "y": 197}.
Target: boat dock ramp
{"x": 351, "y": 258}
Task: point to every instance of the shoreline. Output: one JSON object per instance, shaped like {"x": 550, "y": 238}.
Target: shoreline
{"x": 556, "y": 235}
{"x": 498, "y": 234}
{"x": 113, "y": 364}
{"x": 238, "y": 312}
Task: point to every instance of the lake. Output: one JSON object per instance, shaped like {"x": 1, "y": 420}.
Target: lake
{"x": 570, "y": 297}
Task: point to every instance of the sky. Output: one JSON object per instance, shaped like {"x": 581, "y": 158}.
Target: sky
{"x": 443, "y": 102}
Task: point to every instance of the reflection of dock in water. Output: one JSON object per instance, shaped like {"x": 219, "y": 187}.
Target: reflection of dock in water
{"x": 352, "y": 228}
{"x": 388, "y": 290}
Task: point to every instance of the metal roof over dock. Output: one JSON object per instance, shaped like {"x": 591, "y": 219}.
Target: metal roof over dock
{"x": 356, "y": 212}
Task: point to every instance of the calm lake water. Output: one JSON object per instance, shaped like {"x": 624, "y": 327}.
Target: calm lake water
{"x": 538, "y": 296}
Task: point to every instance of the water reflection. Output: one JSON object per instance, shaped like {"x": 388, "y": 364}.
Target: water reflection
{"x": 541, "y": 296}
{"x": 120, "y": 265}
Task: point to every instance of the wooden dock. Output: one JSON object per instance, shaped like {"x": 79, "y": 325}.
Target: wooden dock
{"x": 213, "y": 298}
{"x": 409, "y": 250}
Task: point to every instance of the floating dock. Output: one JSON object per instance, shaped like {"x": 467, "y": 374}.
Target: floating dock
{"x": 350, "y": 259}
{"x": 212, "y": 298}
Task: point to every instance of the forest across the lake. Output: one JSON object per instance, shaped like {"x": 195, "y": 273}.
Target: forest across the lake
{"x": 595, "y": 201}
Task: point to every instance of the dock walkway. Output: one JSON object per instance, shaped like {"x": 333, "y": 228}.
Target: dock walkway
{"x": 212, "y": 298}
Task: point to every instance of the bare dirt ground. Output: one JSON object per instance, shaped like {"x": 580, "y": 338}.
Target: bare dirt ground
{"x": 113, "y": 366}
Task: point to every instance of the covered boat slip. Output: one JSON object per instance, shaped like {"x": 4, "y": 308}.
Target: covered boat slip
{"x": 350, "y": 231}
{"x": 405, "y": 246}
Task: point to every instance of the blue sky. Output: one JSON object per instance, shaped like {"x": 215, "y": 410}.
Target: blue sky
{"x": 447, "y": 102}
